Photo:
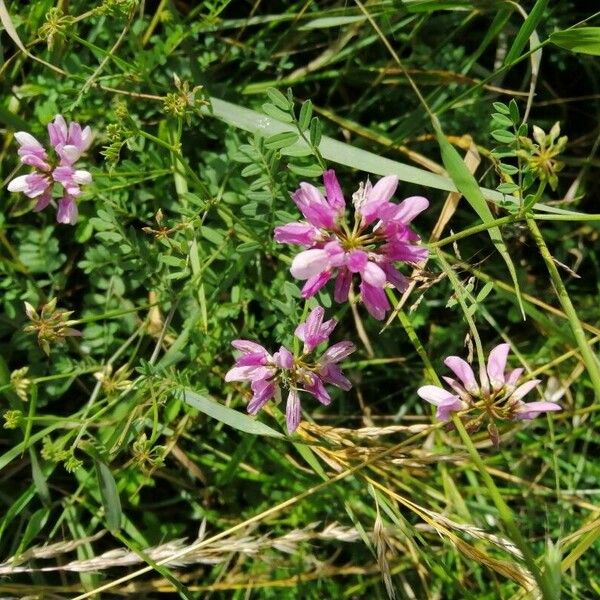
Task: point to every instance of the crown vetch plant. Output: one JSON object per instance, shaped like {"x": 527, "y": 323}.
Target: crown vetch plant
{"x": 370, "y": 246}
{"x": 269, "y": 373}
{"x": 69, "y": 143}
{"x": 498, "y": 392}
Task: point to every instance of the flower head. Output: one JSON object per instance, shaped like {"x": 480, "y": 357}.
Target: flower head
{"x": 498, "y": 391}
{"x": 269, "y": 373}
{"x": 379, "y": 238}
{"x": 51, "y": 324}
{"x": 69, "y": 143}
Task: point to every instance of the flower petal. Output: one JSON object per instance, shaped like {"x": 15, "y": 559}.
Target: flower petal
{"x": 302, "y": 234}
{"x": 67, "y": 211}
{"x": 374, "y": 275}
{"x": 315, "y": 283}
{"x": 292, "y": 410}
{"x": 308, "y": 263}
{"x": 377, "y": 197}
{"x": 333, "y": 192}
{"x": 524, "y": 389}
{"x": 530, "y": 410}
{"x": 463, "y": 371}
{"x": 337, "y": 352}
{"x": 435, "y": 395}
{"x": 356, "y": 260}
{"x": 409, "y": 208}
{"x": 247, "y": 346}
{"x": 249, "y": 373}
{"x": 342, "y": 285}
{"x": 18, "y": 184}
{"x": 283, "y": 359}
{"x": 375, "y": 300}
{"x": 332, "y": 373}
{"x": 263, "y": 392}
{"x": 496, "y": 365}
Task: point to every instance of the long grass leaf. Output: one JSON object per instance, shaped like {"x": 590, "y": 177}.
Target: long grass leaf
{"x": 227, "y": 415}
{"x": 467, "y": 186}
{"x": 349, "y": 156}
{"x": 109, "y": 494}
{"x": 528, "y": 27}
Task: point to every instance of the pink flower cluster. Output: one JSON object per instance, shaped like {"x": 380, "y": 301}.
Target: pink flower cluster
{"x": 370, "y": 246}
{"x": 498, "y": 391}
{"x": 268, "y": 373}
{"x": 69, "y": 143}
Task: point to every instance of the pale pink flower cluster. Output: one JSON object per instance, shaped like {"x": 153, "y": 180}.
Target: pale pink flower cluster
{"x": 69, "y": 143}
{"x": 498, "y": 391}
{"x": 269, "y": 373}
{"x": 369, "y": 247}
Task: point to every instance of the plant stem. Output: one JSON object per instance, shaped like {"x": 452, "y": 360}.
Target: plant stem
{"x": 506, "y": 514}
{"x": 590, "y": 361}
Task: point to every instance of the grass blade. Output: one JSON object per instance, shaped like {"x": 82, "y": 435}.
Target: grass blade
{"x": 109, "y": 494}
{"x": 467, "y": 186}
{"x": 529, "y": 25}
{"x": 227, "y": 415}
{"x": 349, "y": 156}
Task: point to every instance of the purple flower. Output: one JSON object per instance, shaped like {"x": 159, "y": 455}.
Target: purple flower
{"x": 69, "y": 143}
{"x": 268, "y": 373}
{"x": 497, "y": 390}
{"x": 379, "y": 237}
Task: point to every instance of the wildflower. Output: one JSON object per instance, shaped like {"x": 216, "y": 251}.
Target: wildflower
{"x": 541, "y": 153}
{"x": 51, "y": 324}
{"x": 21, "y": 383}
{"x": 498, "y": 392}
{"x": 268, "y": 373}
{"x": 69, "y": 143}
{"x": 379, "y": 238}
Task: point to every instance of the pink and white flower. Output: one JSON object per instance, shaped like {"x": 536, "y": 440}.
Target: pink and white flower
{"x": 268, "y": 374}
{"x": 379, "y": 238}
{"x": 69, "y": 143}
{"x": 498, "y": 390}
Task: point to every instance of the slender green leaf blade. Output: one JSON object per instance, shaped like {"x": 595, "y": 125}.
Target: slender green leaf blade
{"x": 227, "y": 415}
{"x": 528, "y": 27}
{"x": 351, "y": 156}
{"x": 584, "y": 40}
{"x": 109, "y": 494}
{"x": 467, "y": 185}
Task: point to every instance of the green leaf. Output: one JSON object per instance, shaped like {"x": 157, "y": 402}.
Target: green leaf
{"x": 467, "y": 186}
{"x": 281, "y": 140}
{"x": 325, "y": 22}
{"x": 227, "y": 415}
{"x": 501, "y": 108}
{"x": 514, "y": 111}
{"x": 316, "y": 131}
{"x": 507, "y": 188}
{"x": 502, "y": 120}
{"x": 528, "y": 27}
{"x": 278, "y": 99}
{"x": 504, "y": 137}
{"x": 508, "y": 169}
{"x": 305, "y": 116}
{"x": 247, "y": 247}
{"x": 297, "y": 151}
{"x": 310, "y": 171}
{"x": 584, "y": 40}
{"x": 109, "y": 494}
{"x": 272, "y": 111}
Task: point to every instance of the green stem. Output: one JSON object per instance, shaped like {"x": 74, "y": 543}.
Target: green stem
{"x": 475, "y": 229}
{"x": 506, "y": 514}
{"x": 591, "y": 363}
